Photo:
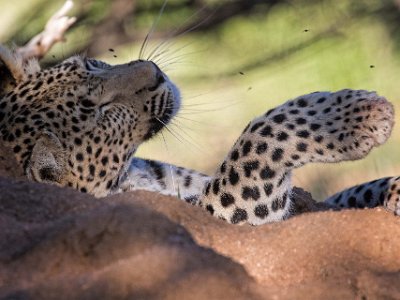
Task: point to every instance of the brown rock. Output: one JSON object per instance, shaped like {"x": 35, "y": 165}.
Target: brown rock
{"x": 318, "y": 254}
{"x": 60, "y": 244}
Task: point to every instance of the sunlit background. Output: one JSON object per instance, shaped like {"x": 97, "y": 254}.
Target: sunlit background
{"x": 233, "y": 60}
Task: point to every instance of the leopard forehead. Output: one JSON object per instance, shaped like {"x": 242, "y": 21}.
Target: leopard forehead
{"x": 80, "y": 122}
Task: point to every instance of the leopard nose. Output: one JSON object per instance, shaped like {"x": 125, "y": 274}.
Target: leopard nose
{"x": 160, "y": 78}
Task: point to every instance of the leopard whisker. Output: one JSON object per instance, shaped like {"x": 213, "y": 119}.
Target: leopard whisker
{"x": 170, "y": 166}
{"x": 179, "y": 136}
{"x": 186, "y": 111}
{"x": 170, "y": 67}
{"x": 168, "y": 129}
{"x": 210, "y": 103}
{"x": 191, "y": 120}
{"x": 189, "y": 139}
{"x": 190, "y": 97}
{"x": 176, "y": 51}
{"x": 148, "y": 35}
{"x": 158, "y": 55}
{"x": 168, "y": 41}
{"x": 180, "y": 124}
{"x": 202, "y": 125}
{"x": 178, "y": 58}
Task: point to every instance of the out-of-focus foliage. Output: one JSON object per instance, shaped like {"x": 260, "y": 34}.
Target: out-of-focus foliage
{"x": 234, "y": 59}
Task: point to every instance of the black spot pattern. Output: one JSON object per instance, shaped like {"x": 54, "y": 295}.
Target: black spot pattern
{"x": 315, "y": 126}
{"x": 250, "y": 192}
{"x": 267, "y": 173}
{"x": 247, "y": 148}
{"x": 215, "y": 186}
{"x": 261, "y": 211}
{"x": 233, "y": 176}
{"x": 261, "y": 148}
{"x": 282, "y": 136}
{"x": 256, "y": 126}
{"x": 279, "y": 119}
{"x": 239, "y": 215}
{"x": 302, "y": 103}
{"x": 302, "y": 147}
{"x": 277, "y": 154}
{"x": 210, "y": 209}
{"x": 235, "y": 155}
{"x": 279, "y": 203}
{"x": 188, "y": 180}
{"x": 352, "y": 202}
{"x": 303, "y": 134}
{"x": 223, "y": 167}
{"x": 227, "y": 199}
{"x": 266, "y": 131}
{"x": 250, "y": 166}
{"x": 268, "y": 188}
{"x": 368, "y": 196}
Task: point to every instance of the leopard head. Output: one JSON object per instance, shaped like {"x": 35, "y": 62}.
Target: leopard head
{"x": 79, "y": 123}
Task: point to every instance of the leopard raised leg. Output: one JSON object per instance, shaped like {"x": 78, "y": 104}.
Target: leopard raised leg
{"x": 253, "y": 184}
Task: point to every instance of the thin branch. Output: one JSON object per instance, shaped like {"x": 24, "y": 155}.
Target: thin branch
{"x": 53, "y": 32}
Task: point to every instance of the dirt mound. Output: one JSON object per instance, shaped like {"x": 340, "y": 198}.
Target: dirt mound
{"x": 60, "y": 244}
{"x": 351, "y": 253}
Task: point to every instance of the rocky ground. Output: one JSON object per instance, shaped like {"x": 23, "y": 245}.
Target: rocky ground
{"x": 60, "y": 244}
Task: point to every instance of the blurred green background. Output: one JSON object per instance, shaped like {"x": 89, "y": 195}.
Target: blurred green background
{"x": 233, "y": 60}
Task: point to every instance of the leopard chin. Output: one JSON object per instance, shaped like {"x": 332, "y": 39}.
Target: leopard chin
{"x": 172, "y": 106}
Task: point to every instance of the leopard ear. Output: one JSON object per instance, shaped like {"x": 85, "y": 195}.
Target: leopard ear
{"x": 11, "y": 70}
{"x": 48, "y": 159}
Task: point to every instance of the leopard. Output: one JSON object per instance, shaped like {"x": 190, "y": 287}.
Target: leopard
{"x": 79, "y": 123}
